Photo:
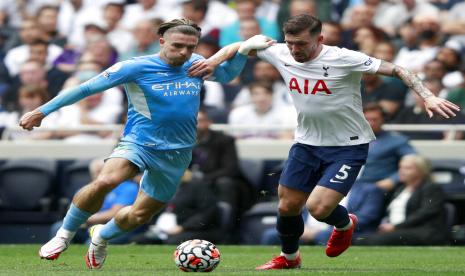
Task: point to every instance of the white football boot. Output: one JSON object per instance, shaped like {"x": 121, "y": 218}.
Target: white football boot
{"x": 52, "y": 249}
{"x": 97, "y": 252}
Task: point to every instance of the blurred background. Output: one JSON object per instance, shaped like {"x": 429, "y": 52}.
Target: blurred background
{"x": 245, "y": 126}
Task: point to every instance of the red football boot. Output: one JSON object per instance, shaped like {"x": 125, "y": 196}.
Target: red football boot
{"x": 280, "y": 262}
{"x": 341, "y": 240}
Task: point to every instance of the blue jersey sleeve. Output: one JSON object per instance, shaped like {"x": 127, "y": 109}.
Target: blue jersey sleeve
{"x": 117, "y": 74}
{"x": 230, "y": 69}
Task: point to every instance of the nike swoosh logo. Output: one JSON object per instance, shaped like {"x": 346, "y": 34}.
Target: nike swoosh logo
{"x": 334, "y": 181}
{"x": 285, "y": 64}
{"x": 94, "y": 263}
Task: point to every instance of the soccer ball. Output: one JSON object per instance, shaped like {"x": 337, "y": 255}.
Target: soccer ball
{"x": 196, "y": 256}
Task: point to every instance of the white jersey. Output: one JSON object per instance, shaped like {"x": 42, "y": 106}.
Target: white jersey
{"x": 326, "y": 94}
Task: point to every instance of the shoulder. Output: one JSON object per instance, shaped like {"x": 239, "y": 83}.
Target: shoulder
{"x": 276, "y": 49}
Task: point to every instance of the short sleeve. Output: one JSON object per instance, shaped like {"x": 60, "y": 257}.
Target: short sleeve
{"x": 359, "y": 62}
{"x": 269, "y": 54}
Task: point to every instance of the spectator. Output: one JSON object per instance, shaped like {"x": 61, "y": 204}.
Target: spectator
{"x": 367, "y": 38}
{"x": 426, "y": 34}
{"x": 416, "y": 213}
{"x": 332, "y": 33}
{"x": 215, "y": 164}
{"x": 264, "y": 112}
{"x": 417, "y": 115}
{"x": 149, "y": 9}
{"x": 121, "y": 196}
{"x": 209, "y": 15}
{"x": 384, "y": 153}
{"x": 454, "y": 23}
{"x": 29, "y": 98}
{"x": 450, "y": 55}
{"x": 388, "y": 95}
{"x": 246, "y": 11}
{"x": 35, "y": 72}
{"x": 146, "y": 39}
{"x": 30, "y": 35}
{"x": 379, "y": 7}
{"x": 47, "y": 18}
{"x": 118, "y": 37}
{"x": 396, "y": 15}
{"x": 457, "y": 95}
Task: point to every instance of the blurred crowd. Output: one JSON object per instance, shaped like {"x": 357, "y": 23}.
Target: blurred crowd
{"x": 49, "y": 45}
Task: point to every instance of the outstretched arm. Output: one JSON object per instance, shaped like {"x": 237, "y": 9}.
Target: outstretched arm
{"x": 433, "y": 104}
{"x": 115, "y": 75}
{"x": 228, "y": 62}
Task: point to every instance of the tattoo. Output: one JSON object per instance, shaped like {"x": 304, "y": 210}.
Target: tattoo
{"x": 412, "y": 81}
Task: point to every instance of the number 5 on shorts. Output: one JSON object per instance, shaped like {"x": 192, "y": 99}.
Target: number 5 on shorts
{"x": 343, "y": 174}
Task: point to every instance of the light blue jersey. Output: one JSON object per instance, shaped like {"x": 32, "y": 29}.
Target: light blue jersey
{"x": 162, "y": 115}
{"x": 163, "y": 100}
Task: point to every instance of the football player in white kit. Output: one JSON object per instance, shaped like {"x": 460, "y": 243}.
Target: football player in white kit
{"x": 332, "y": 135}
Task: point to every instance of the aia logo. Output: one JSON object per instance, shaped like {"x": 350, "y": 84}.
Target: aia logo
{"x": 319, "y": 87}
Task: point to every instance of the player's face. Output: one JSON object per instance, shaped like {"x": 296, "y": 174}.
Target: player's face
{"x": 303, "y": 46}
{"x": 177, "y": 48}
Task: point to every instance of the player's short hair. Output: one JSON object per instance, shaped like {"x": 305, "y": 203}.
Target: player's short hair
{"x": 184, "y": 26}
{"x": 302, "y": 22}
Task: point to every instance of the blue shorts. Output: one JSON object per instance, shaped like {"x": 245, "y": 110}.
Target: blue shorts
{"x": 332, "y": 167}
{"x": 162, "y": 169}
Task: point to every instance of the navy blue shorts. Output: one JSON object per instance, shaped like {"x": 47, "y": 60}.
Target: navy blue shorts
{"x": 333, "y": 167}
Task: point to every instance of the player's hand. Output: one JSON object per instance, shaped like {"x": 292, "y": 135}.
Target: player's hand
{"x": 256, "y": 42}
{"x": 440, "y": 106}
{"x": 31, "y": 119}
{"x": 202, "y": 68}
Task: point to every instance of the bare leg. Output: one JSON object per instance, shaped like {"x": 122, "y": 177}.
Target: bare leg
{"x": 116, "y": 170}
{"x": 141, "y": 212}
{"x": 322, "y": 202}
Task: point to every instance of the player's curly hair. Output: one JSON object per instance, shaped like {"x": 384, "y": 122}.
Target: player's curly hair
{"x": 184, "y": 26}
{"x": 300, "y": 23}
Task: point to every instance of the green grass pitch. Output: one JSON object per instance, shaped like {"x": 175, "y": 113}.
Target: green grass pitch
{"x": 240, "y": 260}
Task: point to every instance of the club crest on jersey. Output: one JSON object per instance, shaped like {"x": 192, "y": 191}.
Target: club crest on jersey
{"x": 325, "y": 67}
{"x": 368, "y": 62}
{"x": 319, "y": 87}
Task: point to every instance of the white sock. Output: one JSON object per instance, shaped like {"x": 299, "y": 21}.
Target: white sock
{"x": 347, "y": 227}
{"x": 65, "y": 234}
{"x": 291, "y": 257}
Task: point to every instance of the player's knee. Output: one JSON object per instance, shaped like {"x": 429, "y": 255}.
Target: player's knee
{"x": 289, "y": 208}
{"x": 140, "y": 217}
{"x": 106, "y": 183}
{"x": 319, "y": 212}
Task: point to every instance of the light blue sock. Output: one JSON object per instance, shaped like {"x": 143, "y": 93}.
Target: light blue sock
{"x": 111, "y": 230}
{"x": 74, "y": 218}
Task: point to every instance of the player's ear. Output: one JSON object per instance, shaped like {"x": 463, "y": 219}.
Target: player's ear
{"x": 320, "y": 38}
{"x": 162, "y": 41}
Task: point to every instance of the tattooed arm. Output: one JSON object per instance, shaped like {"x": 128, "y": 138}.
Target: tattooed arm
{"x": 433, "y": 104}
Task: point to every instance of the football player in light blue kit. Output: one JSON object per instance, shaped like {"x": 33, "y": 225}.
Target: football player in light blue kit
{"x": 158, "y": 137}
